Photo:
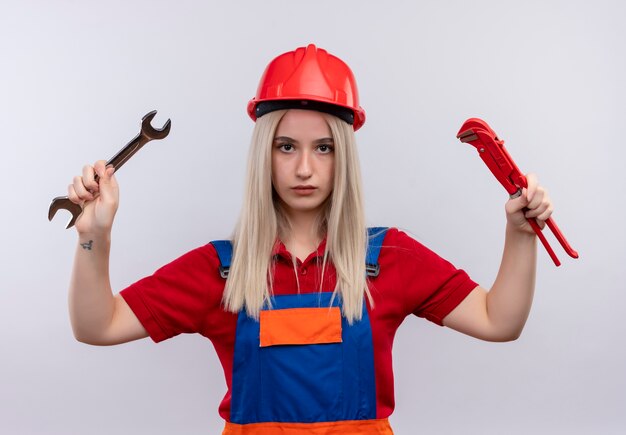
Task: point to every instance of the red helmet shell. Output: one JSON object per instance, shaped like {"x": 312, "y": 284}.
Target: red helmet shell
{"x": 309, "y": 73}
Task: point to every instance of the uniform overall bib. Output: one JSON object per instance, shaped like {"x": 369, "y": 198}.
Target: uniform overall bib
{"x": 303, "y": 369}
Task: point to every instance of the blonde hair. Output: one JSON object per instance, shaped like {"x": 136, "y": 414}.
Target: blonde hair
{"x": 249, "y": 283}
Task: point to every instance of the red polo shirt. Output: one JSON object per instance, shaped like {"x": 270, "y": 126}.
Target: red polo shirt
{"x": 185, "y": 296}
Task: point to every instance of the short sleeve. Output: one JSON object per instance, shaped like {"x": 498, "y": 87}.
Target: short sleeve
{"x": 432, "y": 286}
{"x": 178, "y": 297}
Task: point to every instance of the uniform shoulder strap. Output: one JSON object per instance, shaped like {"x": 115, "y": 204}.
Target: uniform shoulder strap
{"x": 375, "y": 237}
{"x": 224, "y": 249}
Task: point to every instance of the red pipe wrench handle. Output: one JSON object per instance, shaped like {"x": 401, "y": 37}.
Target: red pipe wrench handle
{"x": 553, "y": 227}
{"x": 544, "y": 242}
{"x": 561, "y": 238}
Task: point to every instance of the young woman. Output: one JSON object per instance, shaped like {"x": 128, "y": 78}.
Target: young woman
{"x": 302, "y": 326}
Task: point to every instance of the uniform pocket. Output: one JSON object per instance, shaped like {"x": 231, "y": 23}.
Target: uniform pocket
{"x": 300, "y": 326}
{"x": 301, "y": 364}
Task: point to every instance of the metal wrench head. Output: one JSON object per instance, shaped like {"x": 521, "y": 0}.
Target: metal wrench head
{"x": 475, "y": 124}
{"x": 467, "y": 136}
{"x": 63, "y": 202}
{"x": 471, "y": 127}
{"x": 154, "y": 133}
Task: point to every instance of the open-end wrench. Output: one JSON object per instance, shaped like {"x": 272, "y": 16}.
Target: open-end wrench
{"x": 146, "y": 134}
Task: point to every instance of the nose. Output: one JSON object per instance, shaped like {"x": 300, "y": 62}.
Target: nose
{"x": 304, "y": 169}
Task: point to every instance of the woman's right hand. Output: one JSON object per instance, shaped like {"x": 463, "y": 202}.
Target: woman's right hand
{"x": 96, "y": 315}
{"x": 99, "y": 199}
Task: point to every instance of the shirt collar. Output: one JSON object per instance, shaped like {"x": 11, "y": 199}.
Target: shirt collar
{"x": 280, "y": 250}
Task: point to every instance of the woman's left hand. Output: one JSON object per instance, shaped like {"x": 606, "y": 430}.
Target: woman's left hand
{"x": 534, "y": 202}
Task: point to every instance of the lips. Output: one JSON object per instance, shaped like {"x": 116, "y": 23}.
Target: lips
{"x": 304, "y": 190}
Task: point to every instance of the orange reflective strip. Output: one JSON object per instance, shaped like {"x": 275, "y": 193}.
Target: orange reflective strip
{"x": 300, "y": 326}
{"x": 348, "y": 427}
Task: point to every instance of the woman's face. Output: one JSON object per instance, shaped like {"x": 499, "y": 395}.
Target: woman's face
{"x": 303, "y": 161}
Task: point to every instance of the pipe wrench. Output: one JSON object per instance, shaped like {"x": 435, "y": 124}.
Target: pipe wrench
{"x": 491, "y": 150}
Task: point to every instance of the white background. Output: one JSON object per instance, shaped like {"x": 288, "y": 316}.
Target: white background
{"x": 77, "y": 76}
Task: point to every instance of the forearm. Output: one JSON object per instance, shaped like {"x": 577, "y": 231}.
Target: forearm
{"x": 91, "y": 303}
{"x": 500, "y": 314}
{"x": 510, "y": 298}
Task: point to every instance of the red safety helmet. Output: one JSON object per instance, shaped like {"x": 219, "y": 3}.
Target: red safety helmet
{"x": 308, "y": 78}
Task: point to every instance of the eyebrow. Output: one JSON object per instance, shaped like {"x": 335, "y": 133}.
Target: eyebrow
{"x": 287, "y": 138}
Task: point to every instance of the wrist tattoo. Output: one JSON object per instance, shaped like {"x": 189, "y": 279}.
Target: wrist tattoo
{"x": 87, "y": 246}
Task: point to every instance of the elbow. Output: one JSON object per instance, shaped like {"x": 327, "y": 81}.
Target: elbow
{"x": 85, "y": 338}
{"x": 506, "y": 339}
{"x": 91, "y": 341}
{"x": 79, "y": 333}
{"x": 82, "y": 338}
{"x": 506, "y": 331}
{"x": 507, "y": 336}
{"x": 87, "y": 332}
